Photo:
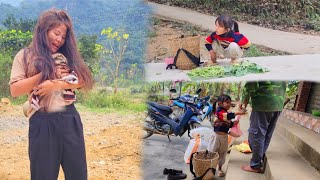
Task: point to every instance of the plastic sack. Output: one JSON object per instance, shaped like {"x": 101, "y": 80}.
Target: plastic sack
{"x": 195, "y": 145}
{"x": 204, "y": 133}
{"x": 235, "y": 131}
{"x": 169, "y": 61}
{"x": 244, "y": 147}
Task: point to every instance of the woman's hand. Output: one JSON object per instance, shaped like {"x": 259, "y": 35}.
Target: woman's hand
{"x": 47, "y": 87}
{"x": 28, "y": 84}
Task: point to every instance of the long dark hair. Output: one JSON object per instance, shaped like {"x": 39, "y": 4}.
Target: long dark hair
{"x": 41, "y": 55}
{"x": 220, "y": 99}
{"x": 228, "y": 23}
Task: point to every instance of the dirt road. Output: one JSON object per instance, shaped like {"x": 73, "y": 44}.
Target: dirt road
{"x": 112, "y": 145}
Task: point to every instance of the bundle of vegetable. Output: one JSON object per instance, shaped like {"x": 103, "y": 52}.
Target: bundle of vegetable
{"x": 221, "y": 71}
{"x": 243, "y": 68}
{"x": 213, "y": 71}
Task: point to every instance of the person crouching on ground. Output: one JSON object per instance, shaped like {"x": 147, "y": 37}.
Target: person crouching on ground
{"x": 226, "y": 41}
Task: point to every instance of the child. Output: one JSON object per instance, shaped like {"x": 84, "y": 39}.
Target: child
{"x": 226, "y": 40}
{"x": 222, "y": 125}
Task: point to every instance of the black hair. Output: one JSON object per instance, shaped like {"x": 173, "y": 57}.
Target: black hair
{"x": 222, "y": 98}
{"x": 227, "y": 22}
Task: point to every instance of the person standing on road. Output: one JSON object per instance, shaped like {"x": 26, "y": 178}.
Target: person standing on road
{"x": 267, "y": 100}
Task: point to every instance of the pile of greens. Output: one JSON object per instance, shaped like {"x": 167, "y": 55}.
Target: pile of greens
{"x": 213, "y": 71}
{"x": 237, "y": 70}
{"x": 316, "y": 113}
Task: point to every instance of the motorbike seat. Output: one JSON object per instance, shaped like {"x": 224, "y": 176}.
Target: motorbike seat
{"x": 160, "y": 107}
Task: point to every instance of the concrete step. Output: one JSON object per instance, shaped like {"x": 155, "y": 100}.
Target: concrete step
{"x": 238, "y": 159}
{"x": 234, "y": 171}
{"x": 283, "y": 160}
{"x": 305, "y": 141}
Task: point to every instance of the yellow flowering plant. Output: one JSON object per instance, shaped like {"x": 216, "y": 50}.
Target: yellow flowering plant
{"x": 113, "y": 51}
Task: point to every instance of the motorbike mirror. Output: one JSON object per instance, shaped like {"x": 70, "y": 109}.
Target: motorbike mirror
{"x": 173, "y": 90}
{"x": 198, "y": 91}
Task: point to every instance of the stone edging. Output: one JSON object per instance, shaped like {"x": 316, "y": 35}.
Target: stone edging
{"x": 304, "y": 119}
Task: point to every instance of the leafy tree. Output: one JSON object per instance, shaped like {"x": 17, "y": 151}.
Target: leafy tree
{"x": 87, "y": 48}
{"x": 5, "y": 68}
{"x": 90, "y": 17}
{"x": 23, "y": 24}
{"x": 11, "y": 41}
{"x": 113, "y": 51}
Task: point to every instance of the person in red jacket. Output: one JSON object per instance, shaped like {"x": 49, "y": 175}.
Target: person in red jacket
{"x": 226, "y": 41}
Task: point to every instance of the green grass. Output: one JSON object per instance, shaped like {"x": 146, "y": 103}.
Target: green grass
{"x": 137, "y": 109}
{"x": 151, "y": 34}
{"x": 159, "y": 98}
{"x": 104, "y": 102}
{"x": 18, "y": 100}
{"x": 254, "y": 51}
{"x": 259, "y": 50}
{"x": 154, "y": 21}
{"x": 108, "y": 102}
{"x": 191, "y": 29}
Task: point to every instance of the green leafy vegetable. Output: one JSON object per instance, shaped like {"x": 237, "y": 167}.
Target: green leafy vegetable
{"x": 316, "y": 112}
{"x": 214, "y": 71}
{"x": 237, "y": 70}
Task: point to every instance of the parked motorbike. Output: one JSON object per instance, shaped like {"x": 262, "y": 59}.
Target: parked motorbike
{"x": 202, "y": 104}
{"x": 158, "y": 120}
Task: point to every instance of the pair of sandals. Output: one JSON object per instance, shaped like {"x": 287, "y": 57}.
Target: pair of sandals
{"x": 174, "y": 174}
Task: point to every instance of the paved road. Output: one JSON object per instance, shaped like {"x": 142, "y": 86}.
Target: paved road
{"x": 159, "y": 153}
{"x": 284, "y": 41}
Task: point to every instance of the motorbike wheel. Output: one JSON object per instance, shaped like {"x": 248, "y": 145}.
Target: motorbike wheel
{"x": 146, "y": 133}
{"x": 195, "y": 125}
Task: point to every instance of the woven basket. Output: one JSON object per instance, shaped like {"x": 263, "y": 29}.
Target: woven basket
{"x": 203, "y": 161}
{"x": 189, "y": 43}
